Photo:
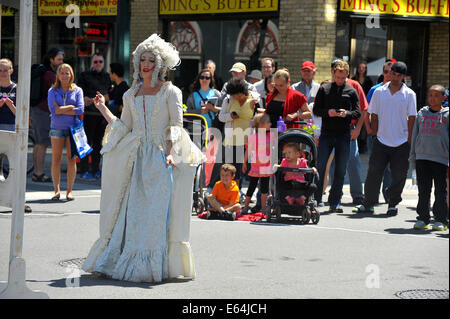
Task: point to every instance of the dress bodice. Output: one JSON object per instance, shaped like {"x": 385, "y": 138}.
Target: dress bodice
{"x": 145, "y": 105}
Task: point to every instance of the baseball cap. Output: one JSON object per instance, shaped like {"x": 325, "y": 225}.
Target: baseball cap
{"x": 308, "y": 65}
{"x": 255, "y": 74}
{"x": 238, "y": 67}
{"x": 399, "y": 67}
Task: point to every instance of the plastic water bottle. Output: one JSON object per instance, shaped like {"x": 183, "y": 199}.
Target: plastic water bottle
{"x": 414, "y": 177}
{"x": 281, "y": 125}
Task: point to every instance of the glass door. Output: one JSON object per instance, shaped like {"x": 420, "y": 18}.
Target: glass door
{"x": 409, "y": 47}
{"x": 369, "y": 45}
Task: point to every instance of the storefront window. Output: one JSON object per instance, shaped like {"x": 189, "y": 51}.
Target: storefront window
{"x": 7, "y": 45}
{"x": 224, "y": 42}
{"x": 78, "y": 43}
{"x": 342, "y": 50}
{"x": 370, "y": 47}
{"x": 409, "y": 47}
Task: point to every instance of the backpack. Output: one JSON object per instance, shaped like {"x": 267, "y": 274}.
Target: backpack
{"x": 37, "y": 71}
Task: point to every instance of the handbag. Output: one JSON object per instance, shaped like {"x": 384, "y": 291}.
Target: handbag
{"x": 78, "y": 140}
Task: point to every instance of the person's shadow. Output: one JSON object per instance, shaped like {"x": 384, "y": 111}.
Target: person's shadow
{"x": 90, "y": 280}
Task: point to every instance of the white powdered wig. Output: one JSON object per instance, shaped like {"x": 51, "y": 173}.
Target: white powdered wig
{"x": 166, "y": 57}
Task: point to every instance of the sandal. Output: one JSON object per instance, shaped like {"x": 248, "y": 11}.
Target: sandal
{"x": 41, "y": 178}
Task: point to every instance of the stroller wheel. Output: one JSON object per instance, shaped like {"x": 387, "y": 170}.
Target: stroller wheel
{"x": 271, "y": 212}
{"x": 315, "y": 217}
{"x": 306, "y": 215}
{"x": 200, "y": 206}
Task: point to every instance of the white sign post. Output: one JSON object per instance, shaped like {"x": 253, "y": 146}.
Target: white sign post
{"x": 17, "y": 287}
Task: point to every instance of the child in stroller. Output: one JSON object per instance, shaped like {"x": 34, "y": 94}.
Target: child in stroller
{"x": 294, "y": 185}
{"x": 295, "y": 180}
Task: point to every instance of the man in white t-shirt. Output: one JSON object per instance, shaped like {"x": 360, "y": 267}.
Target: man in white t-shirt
{"x": 393, "y": 112}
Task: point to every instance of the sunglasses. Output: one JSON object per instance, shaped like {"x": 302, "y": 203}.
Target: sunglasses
{"x": 385, "y": 71}
{"x": 205, "y": 77}
{"x": 95, "y": 62}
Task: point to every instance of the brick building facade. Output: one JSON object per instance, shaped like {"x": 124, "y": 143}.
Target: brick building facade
{"x": 300, "y": 30}
{"x": 307, "y": 31}
{"x": 438, "y": 54}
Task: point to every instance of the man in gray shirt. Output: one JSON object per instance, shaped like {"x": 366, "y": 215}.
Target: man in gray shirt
{"x": 307, "y": 86}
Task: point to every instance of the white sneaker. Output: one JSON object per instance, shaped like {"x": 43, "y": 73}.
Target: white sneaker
{"x": 439, "y": 226}
{"x": 420, "y": 225}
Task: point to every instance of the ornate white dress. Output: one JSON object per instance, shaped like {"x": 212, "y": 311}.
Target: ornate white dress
{"x": 145, "y": 207}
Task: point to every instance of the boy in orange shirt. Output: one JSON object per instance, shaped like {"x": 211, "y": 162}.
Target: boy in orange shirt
{"x": 224, "y": 199}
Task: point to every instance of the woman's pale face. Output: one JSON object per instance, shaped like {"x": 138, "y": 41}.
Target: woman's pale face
{"x": 281, "y": 85}
{"x": 147, "y": 66}
{"x": 205, "y": 78}
{"x": 362, "y": 68}
{"x": 64, "y": 76}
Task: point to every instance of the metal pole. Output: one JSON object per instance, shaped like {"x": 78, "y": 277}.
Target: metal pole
{"x": 17, "y": 287}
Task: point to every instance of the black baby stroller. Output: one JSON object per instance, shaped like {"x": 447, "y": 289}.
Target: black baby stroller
{"x": 197, "y": 128}
{"x": 307, "y": 211}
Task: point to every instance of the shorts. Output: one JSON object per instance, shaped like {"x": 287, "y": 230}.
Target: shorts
{"x": 59, "y": 133}
{"x": 41, "y": 126}
{"x": 8, "y": 127}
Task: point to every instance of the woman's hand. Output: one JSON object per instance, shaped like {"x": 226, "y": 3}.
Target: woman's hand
{"x": 291, "y": 117}
{"x": 244, "y": 168}
{"x": 98, "y": 100}
{"x": 169, "y": 161}
{"x": 8, "y": 101}
{"x": 253, "y": 103}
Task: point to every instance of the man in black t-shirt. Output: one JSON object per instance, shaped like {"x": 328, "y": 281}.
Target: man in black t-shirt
{"x": 119, "y": 87}
{"x": 337, "y": 103}
{"x": 96, "y": 79}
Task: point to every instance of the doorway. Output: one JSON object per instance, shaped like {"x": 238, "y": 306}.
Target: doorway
{"x": 184, "y": 76}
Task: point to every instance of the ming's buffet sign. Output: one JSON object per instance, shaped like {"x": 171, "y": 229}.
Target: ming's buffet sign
{"x": 168, "y": 7}
{"x": 56, "y": 8}
{"x": 416, "y": 8}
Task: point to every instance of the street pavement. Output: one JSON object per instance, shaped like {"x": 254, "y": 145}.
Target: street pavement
{"x": 345, "y": 256}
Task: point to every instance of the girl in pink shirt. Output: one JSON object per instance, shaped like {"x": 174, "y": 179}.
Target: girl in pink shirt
{"x": 258, "y": 149}
{"x": 292, "y": 159}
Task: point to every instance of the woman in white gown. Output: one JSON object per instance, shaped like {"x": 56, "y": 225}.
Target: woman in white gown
{"x": 148, "y": 165}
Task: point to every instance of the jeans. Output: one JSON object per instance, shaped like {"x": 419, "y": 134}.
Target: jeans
{"x": 382, "y": 155}
{"x": 429, "y": 172}
{"x": 54, "y": 132}
{"x": 353, "y": 171}
{"x": 387, "y": 180}
{"x": 341, "y": 144}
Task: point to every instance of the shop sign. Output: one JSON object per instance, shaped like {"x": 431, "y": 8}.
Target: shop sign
{"x": 55, "y": 8}
{"x": 7, "y": 11}
{"x": 170, "y": 7}
{"x": 417, "y": 8}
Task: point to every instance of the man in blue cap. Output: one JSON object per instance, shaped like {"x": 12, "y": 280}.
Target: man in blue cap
{"x": 393, "y": 112}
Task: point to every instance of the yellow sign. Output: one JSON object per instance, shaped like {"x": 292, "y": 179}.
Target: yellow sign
{"x": 7, "y": 11}
{"x": 216, "y": 6}
{"x": 55, "y": 8}
{"x": 418, "y": 8}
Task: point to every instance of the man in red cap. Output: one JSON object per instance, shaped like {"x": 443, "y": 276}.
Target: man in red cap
{"x": 307, "y": 86}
